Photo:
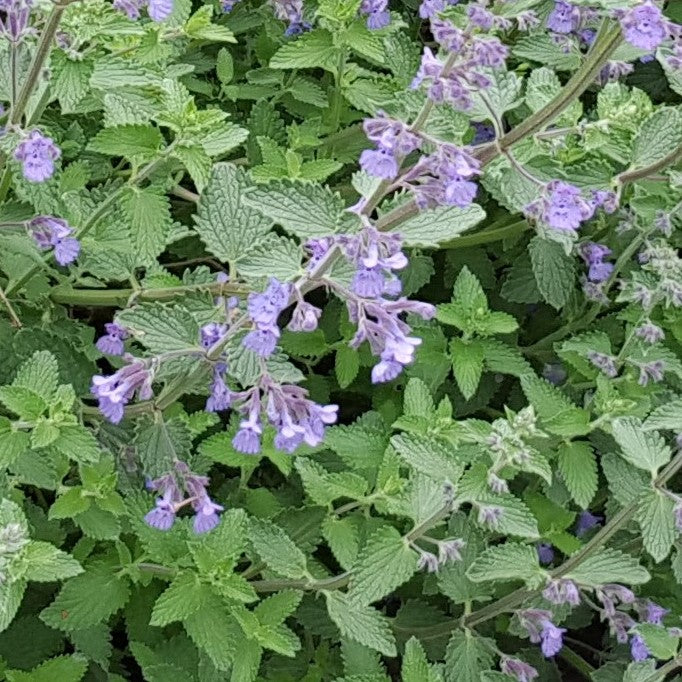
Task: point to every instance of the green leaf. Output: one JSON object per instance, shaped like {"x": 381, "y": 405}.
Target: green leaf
{"x": 578, "y": 468}
{"x": 214, "y": 631}
{"x": 148, "y": 217}
{"x": 161, "y": 328}
{"x": 23, "y": 402}
{"x": 115, "y": 72}
{"x": 311, "y": 50}
{"x": 76, "y": 442}
{"x": 226, "y": 224}
{"x": 466, "y": 657}
{"x": 11, "y": 594}
{"x": 558, "y": 414}
{"x": 417, "y": 400}
{"x": 39, "y": 374}
{"x": 658, "y": 640}
{"x": 511, "y": 561}
{"x": 430, "y": 456}
{"x": 277, "y": 549}
{"x": 274, "y": 256}
{"x": 554, "y": 271}
{"x": 516, "y": 519}
{"x": 660, "y": 134}
{"x": 199, "y": 27}
{"x": 129, "y": 141}
{"x": 343, "y": 540}
{"x": 160, "y": 443}
{"x": 182, "y": 598}
{"x": 385, "y": 563}
{"x": 644, "y": 449}
{"x": 324, "y": 487}
{"x": 46, "y": 563}
{"x": 86, "y": 600}
{"x": 61, "y": 669}
{"x": 609, "y": 566}
{"x": 499, "y": 357}
{"x": 656, "y": 518}
{"x": 224, "y": 66}
{"x": 440, "y": 225}
{"x": 70, "y": 80}
{"x": 306, "y": 210}
{"x": 197, "y": 162}
{"x": 69, "y": 504}
{"x": 667, "y": 416}
{"x": 12, "y": 443}
{"x": 503, "y": 94}
{"x": 361, "y": 623}
{"x": 274, "y": 610}
{"x": 346, "y": 365}
{"x": 415, "y": 666}
{"x": 467, "y": 365}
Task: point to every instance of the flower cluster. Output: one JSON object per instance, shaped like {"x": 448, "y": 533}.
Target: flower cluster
{"x": 54, "y": 233}
{"x": 644, "y": 26}
{"x": 538, "y": 624}
{"x": 518, "y": 669}
{"x": 376, "y": 12}
{"x": 393, "y": 142}
{"x": 37, "y": 154}
{"x": 14, "y": 24}
{"x": 112, "y": 342}
{"x": 448, "y": 550}
{"x": 158, "y": 10}
{"x": 116, "y": 391}
{"x": 593, "y": 255}
{"x": 264, "y": 309}
{"x": 172, "y": 499}
{"x": 291, "y": 11}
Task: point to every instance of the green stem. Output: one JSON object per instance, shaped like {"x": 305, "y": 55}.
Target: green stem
{"x": 487, "y": 236}
{"x": 634, "y": 174}
{"x": 337, "y": 99}
{"x": 119, "y": 297}
{"x": 669, "y": 667}
{"x": 516, "y": 598}
{"x": 576, "y": 661}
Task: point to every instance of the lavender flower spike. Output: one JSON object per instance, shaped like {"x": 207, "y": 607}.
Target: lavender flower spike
{"x": 206, "y": 510}
{"x": 518, "y": 669}
{"x": 112, "y": 342}
{"x": 162, "y": 516}
{"x": 562, "y": 592}
{"x": 644, "y": 26}
{"x": 37, "y": 153}
{"x": 115, "y": 391}
{"x": 541, "y": 630}
{"x": 49, "y": 232}
{"x": 564, "y": 18}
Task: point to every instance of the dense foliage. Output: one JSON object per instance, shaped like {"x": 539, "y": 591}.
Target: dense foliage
{"x": 340, "y": 340}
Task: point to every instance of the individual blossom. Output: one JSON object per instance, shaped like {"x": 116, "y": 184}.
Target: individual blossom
{"x": 220, "y": 397}
{"x": 527, "y": 20}
{"x": 37, "y": 154}
{"x": 564, "y": 18}
{"x": 162, "y": 517}
{"x": 14, "y": 24}
{"x": 644, "y": 26}
{"x": 211, "y": 333}
{"x": 480, "y": 17}
{"x": 496, "y": 484}
{"x": 593, "y": 255}
{"x": 650, "y": 333}
{"x": 638, "y": 649}
{"x": 620, "y": 624}
{"x": 562, "y": 207}
{"x": 489, "y": 515}
{"x": 159, "y": 10}
{"x": 112, "y": 342}
{"x": 554, "y": 373}
{"x": 545, "y": 553}
{"x": 651, "y": 371}
{"x": 604, "y": 362}
{"x": 304, "y": 317}
{"x": 291, "y": 11}
{"x": 54, "y": 233}
{"x": 377, "y": 13}
{"x": 653, "y": 613}
{"x": 227, "y": 5}
{"x": 541, "y": 630}
{"x": 450, "y": 550}
{"x": 562, "y": 592}
{"x": 518, "y": 669}
{"x": 116, "y": 391}
{"x": 610, "y": 595}
{"x": 428, "y": 561}
{"x": 489, "y": 52}
{"x": 393, "y": 141}
{"x": 206, "y": 511}
{"x": 586, "y": 522}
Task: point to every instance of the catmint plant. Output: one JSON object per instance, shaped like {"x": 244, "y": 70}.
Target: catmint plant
{"x": 341, "y": 340}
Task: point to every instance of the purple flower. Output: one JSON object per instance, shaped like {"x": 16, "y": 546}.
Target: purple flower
{"x": 261, "y": 341}
{"x": 377, "y": 13}
{"x": 610, "y": 595}
{"x": 228, "y": 5}
{"x": 291, "y": 11}
{"x": 221, "y": 396}
{"x": 638, "y": 649}
{"x": 264, "y": 309}
{"x": 393, "y": 141}
{"x": 562, "y": 592}
{"x": 563, "y": 208}
{"x": 541, "y": 630}
{"x": 489, "y": 515}
{"x": 304, "y": 317}
{"x": 654, "y": 613}
{"x": 603, "y": 362}
{"x": 49, "y": 232}
{"x": 593, "y": 255}
{"x": 651, "y": 371}
{"x": 587, "y": 521}
{"x": 480, "y": 17}
{"x": 619, "y": 624}
{"x": 644, "y": 26}
{"x": 483, "y": 133}
{"x": 15, "y": 23}
{"x": 116, "y": 391}
{"x": 518, "y": 669}
{"x": 564, "y": 18}
{"x": 497, "y": 485}
{"x": 162, "y": 516}
{"x": 131, "y": 7}
{"x": 490, "y": 52}
{"x": 247, "y": 439}
{"x": 381, "y": 163}
{"x": 159, "y": 10}
{"x": 450, "y": 550}
{"x": 429, "y": 562}
{"x": 206, "y": 511}
{"x": 37, "y": 154}
{"x": 545, "y": 553}
{"x": 211, "y": 333}
{"x": 554, "y": 373}
{"x": 112, "y": 342}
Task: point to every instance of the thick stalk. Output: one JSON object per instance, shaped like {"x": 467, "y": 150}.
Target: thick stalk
{"x": 515, "y": 599}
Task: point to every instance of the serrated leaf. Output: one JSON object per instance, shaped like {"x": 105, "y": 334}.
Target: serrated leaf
{"x": 385, "y": 562}
{"x": 499, "y": 357}
{"x": 343, "y": 539}
{"x": 417, "y": 399}
{"x": 11, "y": 594}
{"x": 62, "y": 668}
{"x": 346, "y": 365}
{"x": 70, "y": 80}
{"x": 510, "y": 561}
{"x": 277, "y": 549}
{"x": 214, "y": 631}
{"x": 324, "y": 487}
{"x": 609, "y": 566}
{"x": 644, "y": 449}
{"x": 12, "y": 443}
{"x": 39, "y": 374}
{"x": 161, "y": 328}
{"x": 23, "y": 402}
{"x": 554, "y": 271}
{"x": 86, "y": 600}
{"x": 578, "y": 468}
{"x": 47, "y": 563}
{"x": 466, "y": 657}
{"x": 440, "y": 225}
{"x": 76, "y": 442}
{"x": 313, "y": 50}
{"x": 415, "y": 666}
{"x": 430, "y": 456}
{"x": 306, "y": 210}
{"x": 129, "y": 141}
{"x": 361, "y": 623}
{"x": 659, "y": 641}
{"x": 275, "y": 256}
{"x": 161, "y": 443}
{"x": 182, "y": 598}
{"x": 667, "y": 416}
{"x": 467, "y": 365}
{"x": 656, "y": 518}
{"x": 658, "y": 136}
